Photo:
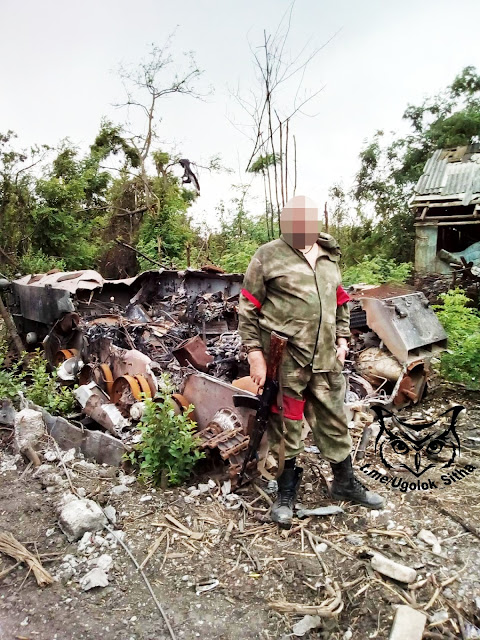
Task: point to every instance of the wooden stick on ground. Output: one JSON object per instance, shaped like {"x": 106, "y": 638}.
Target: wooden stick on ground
{"x": 11, "y": 547}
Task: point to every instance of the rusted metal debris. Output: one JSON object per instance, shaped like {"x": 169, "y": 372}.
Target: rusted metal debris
{"x": 114, "y": 338}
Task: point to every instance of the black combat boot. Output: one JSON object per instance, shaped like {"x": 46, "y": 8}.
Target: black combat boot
{"x": 346, "y": 486}
{"x": 288, "y": 483}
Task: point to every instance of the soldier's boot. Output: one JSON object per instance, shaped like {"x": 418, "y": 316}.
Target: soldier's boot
{"x": 346, "y": 486}
{"x": 288, "y": 483}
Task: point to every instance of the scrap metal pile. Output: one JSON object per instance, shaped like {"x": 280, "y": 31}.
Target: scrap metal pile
{"x": 115, "y": 338}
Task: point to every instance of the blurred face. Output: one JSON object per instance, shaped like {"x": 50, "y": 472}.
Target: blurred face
{"x": 299, "y": 222}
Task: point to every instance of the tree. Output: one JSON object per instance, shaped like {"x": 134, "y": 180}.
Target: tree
{"x": 271, "y": 115}
{"x": 390, "y": 169}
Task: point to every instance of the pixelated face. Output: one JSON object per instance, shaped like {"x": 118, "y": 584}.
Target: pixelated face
{"x": 299, "y": 222}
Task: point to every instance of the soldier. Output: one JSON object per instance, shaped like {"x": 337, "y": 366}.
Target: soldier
{"x": 293, "y": 286}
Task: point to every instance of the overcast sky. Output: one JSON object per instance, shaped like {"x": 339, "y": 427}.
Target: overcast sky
{"x": 58, "y": 79}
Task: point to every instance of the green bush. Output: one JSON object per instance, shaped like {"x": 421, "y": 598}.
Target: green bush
{"x": 169, "y": 448}
{"x": 36, "y": 383}
{"x": 39, "y": 262}
{"x": 44, "y": 389}
{"x": 462, "y": 323}
{"x": 377, "y": 271}
{"x": 11, "y": 381}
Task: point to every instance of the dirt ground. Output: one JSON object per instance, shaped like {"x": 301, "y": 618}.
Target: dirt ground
{"x": 249, "y": 562}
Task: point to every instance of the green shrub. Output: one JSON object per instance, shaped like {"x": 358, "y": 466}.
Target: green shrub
{"x": 45, "y": 390}
{"x": 39, "y": 262}
{"x": 462, "y": 323}
{"x": 11, "y": 381}
{"x": 377, "y": 271}
{"x": 169, "y": 448}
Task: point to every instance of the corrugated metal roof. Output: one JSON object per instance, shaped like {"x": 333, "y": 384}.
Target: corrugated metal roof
{"x": 452, "y": 172}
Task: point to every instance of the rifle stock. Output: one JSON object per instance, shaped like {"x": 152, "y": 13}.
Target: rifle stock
{"x": 267, "y": 398}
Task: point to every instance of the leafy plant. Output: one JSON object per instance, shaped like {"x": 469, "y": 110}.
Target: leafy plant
{"x": 169, "y": 448}
{"x": 43, "y": 388}
{"x": 377, "y": 271}
{"x": 462, "y": 323}
{"x": 11, "y": 381}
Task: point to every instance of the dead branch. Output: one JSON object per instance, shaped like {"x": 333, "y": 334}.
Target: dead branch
{"x": 128, "y": 246}
{"x": 11, "y": 547}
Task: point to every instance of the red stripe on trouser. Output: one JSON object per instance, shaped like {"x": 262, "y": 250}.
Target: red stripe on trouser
{"x": 252, "y": 298}
{"x": 342, "y": 296}
{"x": 292, "y": 408}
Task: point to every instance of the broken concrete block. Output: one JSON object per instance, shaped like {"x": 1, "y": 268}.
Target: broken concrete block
{"x": 80, "y": 515}
{"x": 408, "y": 624}
{"x": 29, "y": 429}
{"x": 392, "y": 569}
{"x": 94, "y": 578}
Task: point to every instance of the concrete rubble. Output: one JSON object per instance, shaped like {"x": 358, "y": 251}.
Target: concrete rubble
{"x": 78, "y": 516}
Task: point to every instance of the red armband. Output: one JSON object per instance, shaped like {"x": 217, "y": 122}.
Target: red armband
{"x": 342, "y": 296}
{"x": 292, "y": 408}
{"x": 251, "y": 298}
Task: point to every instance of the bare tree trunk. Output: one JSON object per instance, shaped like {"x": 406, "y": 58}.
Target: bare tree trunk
{"x": 286, "y": 162}
{"x": 280, "y": 124}
{"x": 295, "y": 164}
{"x": 326, "y": 218}
{"x": 266, "y": 204}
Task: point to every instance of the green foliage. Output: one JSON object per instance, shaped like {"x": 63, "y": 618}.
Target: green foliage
{"x": 37, "y": 262}
{"x": 44, "y": 389}
{"x": 462, "y": 323}
{"x": 391, "y": 165}
{"x": 169, "y": 448}
{"x": 11, "y": 381}
{"x": 377, "y": 270}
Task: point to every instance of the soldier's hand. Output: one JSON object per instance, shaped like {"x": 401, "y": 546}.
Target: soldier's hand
{"x": 258, "y": 367}
{"x": 342, "y": 351}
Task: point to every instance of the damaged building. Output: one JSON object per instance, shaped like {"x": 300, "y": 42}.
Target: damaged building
{"x": 446, "y": 206}
{"x": 114, "y": 338}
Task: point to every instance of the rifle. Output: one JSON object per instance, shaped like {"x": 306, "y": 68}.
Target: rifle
{"x": 262, "y": 403}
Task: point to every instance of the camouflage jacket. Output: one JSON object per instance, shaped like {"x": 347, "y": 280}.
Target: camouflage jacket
{"x": 283, "y": 293}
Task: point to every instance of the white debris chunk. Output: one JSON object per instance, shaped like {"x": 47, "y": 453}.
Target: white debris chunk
{"x": 392, "y": 569}
{"x": 408, "y": 624}
{"x": 111, "y": 513}
{"x": 29, "y": 429}
{"x": 431, "y": 539}
{"x": 94, "y": 578}
{"x": 306, "y": 624}
{"x": 104, "y": 562}
{"x": 79, "y": 516}
{"x": 118, "y": 490}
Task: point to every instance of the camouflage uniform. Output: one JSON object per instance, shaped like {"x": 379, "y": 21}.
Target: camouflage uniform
{"x": 283, "y": 293}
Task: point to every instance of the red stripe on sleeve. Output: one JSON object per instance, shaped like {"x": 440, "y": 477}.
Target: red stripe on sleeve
{"x": 342, "y": 296}
{"x": 252, "y": 298}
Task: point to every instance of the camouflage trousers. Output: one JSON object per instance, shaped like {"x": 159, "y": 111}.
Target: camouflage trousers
{"x": 323, "y": 394}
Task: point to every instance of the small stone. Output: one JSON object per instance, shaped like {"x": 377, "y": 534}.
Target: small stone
{"x": 438, "y": 617}
{"x": 118, "y": 490}
{"x": 308, "y": 486}
{"x": 79, "y": 516}
{"x": 94, "y": 578}
{"x": 111, "y": 513}
{"x": 306, "y": 624}
{"x": 393, "y": 569}
{"x": 145, "y": 498}
{"x": 354, "y": 540}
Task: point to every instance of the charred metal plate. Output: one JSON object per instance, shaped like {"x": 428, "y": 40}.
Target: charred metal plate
{"x": 209, "y": 394}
